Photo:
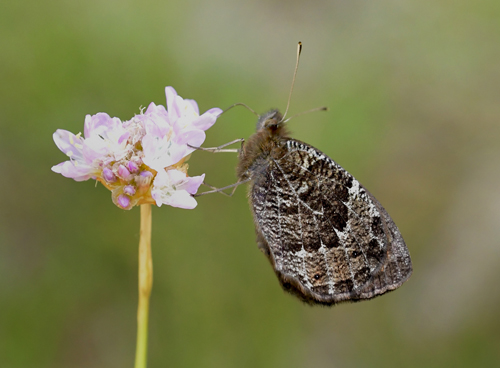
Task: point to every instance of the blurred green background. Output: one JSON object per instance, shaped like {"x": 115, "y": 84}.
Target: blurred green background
{"x": 413, "y": 89}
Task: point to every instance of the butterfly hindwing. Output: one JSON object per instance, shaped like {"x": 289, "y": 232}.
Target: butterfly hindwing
{"x": 397, "y": 267}
{"x": 327, "y": 237}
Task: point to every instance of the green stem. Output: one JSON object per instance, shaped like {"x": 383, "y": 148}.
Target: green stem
{"x": 145, "y": 285}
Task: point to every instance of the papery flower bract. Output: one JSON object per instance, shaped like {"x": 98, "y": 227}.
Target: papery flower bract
{"x": 141, "y": 160}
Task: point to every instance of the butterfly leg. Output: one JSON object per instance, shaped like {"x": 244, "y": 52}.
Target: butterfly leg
{"x": 221, "y": 148}
{"x": 221, "y": 190}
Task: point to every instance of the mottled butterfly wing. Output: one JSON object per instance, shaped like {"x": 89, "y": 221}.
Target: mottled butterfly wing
{"x": 397, "y": 267}
{"x": 328, "y": 238}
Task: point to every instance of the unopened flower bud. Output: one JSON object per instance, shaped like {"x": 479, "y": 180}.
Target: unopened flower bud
{"x": 123, "y": 201}
{"x": 123, "y": 172}
{"x": 129, "y": 190}
{"x": 132, "y": 167}
{"x": 108, "y": 175}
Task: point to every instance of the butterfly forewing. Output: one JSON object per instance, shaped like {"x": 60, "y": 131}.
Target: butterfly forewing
{"x": 327, "y": 237}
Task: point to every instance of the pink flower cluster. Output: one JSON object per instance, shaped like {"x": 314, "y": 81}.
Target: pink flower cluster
{"x": 141, "y": 160}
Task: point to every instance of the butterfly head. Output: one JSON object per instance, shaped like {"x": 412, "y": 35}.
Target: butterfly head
{"x": 271, "y": 120}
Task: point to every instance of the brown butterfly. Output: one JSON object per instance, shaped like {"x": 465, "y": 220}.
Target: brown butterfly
{"x": 328, "y": 239}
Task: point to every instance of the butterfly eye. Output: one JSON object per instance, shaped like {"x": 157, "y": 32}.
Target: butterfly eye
{"x": 271, "y": 123}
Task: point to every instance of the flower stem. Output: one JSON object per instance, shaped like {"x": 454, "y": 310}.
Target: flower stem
{"x": 145, "y": 285}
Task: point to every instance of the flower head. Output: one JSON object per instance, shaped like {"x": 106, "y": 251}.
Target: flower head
{"x": 141, "y": 160}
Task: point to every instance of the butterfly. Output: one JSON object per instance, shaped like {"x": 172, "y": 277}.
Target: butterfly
{"x": 328, "y": 239}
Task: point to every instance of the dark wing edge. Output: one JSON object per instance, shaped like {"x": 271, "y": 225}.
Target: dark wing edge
{"x": 397, "y": 267}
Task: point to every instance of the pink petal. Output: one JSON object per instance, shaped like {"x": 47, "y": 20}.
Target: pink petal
{"x": 155, "y": 126}
{"x": 123, "y": 137}
{"x": 208, "y": 119}
{"x": 67, "y": 142}
{"x": 78, "y": 173}
{"x": 175, "y": 176}
{"x": 194, "y": 104}
{"x": 193, "y": 184}
{"x": 156, "y": 109}
{"x": 160, "y": 153}
{"x": 95, "y": 123}
{"x": 156, "y": 120}
{"x": 94, "y": 148}
{"x": 182, "y": 199}
{"x": 214, "y": 111}
{"x": 192, "y": 137}
{"x": 172, "y": 106}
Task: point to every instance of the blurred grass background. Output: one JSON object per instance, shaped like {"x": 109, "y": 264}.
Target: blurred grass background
{"x": 413, "y": 89}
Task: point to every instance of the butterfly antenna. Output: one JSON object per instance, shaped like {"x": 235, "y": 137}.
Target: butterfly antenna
{"x": 323, "y": 108}
{"x": 240, "y": 104}
{"x": 299, "y": 49}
